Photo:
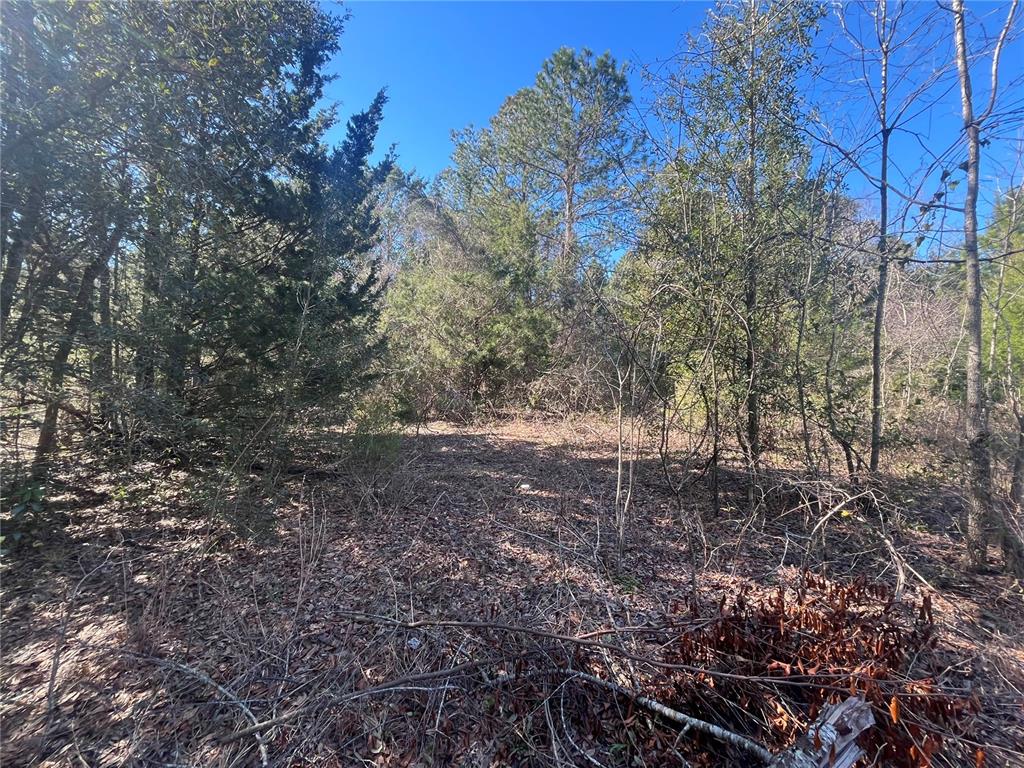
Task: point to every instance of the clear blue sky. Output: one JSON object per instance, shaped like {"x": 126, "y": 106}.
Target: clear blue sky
{"x": 449, "y": 64}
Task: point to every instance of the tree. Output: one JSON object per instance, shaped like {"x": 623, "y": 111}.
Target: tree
{"x": 980, "y": 510}
{"x": 182, "y": 254}
{"x": 738, "y": 104}
{"x": 485, "y": 302}
{"x": 467, "y": 309}
{"x": 883, "y": 41}
{"x": 567, "y": 137}
{"x": 1002, "y": 245}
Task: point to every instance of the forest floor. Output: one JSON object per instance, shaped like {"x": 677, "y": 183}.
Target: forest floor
{"x": 408, "y": 617}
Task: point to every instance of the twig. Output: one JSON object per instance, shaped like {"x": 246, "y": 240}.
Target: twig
{"x": 902, "y": 563}
{"x": 206, "y": 679}
{"x": 403, "y": 683}
{"x": 586, "y": 641}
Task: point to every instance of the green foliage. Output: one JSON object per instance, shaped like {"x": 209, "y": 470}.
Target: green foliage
{"x": 204, "y": 266}
{"x": 373, "y": 433}
{"x": 25, "y": 506}
{"x": 463, "y": 338}
{"x": 735, "y": 261}
{"x": 496, "y": 254}
{"x": 1003, "y": 244}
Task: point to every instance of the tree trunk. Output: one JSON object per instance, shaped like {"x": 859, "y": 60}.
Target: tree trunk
{"x": 751, "y": 363}
{"x": 984, "y": 517}
{"x": 19, "y": 19}
{"x": 145, "y": 354}
{"x": 979, "y": 503}
{"x": 566, "y": 271}
{"x": 104, "y": 351}
{"x": 716, "y": 447}
{"x": 1013, "y": 548}
{"x": 58, "y": 369}
{"x": 883, "y": 255}
{"x": 25, "y": 234}
{"x": 830, "y": 412}
{"x": 1017, "y": 482}
{"x": 801, "y": 384}
{"x": 620, "y": 517}
{"x": 180, "y": 352}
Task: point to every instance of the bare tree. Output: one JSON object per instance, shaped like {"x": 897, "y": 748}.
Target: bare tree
{"x": 895, "y": 85}
{"x": 981, "y": 512}
{"x": 885, "y": 37}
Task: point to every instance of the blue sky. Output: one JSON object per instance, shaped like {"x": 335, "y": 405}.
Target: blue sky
{"x": 449, "y": 64}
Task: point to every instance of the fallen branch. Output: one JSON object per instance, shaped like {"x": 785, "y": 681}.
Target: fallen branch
{"x": 831, "y": 737}
{"x": 901, "y": 563}
{"x": 644, "y": 701}
{"x": 253, "y": 730}
{"x": 685, "y": 720}
{"x": 835, "y": 732}
{"x": 391, "y": 685}
{"x": 62, "y": 634}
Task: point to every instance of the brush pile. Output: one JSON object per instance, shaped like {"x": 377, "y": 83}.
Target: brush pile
{"x": 766, "y": 667}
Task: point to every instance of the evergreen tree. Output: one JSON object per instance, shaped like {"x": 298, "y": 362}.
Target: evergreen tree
{"x": 180, "y": 249}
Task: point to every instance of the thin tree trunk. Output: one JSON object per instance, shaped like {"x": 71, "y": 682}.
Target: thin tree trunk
{"x": 883, "y": 255}
{"x": 620, "y": 518}
{"x": 104, "y": 352}
{"x": 566, "y": 271}
{"x": 851, "y": 468}
{"x": 569, "y": 235}
{"x": 1011, "y": 541}
{"x": 19, "y": 21}
{"x": 979, "y": 527}
{"x": 716, "y": 447}
{"x": 1017, "y": 481}
{"x": 145, "y": 357}
{"x": 752, "y": 400}
{"x": 15, "y": 255}
{"x": 801, "y": 384}
{"x": 179, "y": 352}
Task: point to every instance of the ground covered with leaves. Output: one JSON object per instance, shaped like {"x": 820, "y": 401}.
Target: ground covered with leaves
{"x": 464, "y": 605}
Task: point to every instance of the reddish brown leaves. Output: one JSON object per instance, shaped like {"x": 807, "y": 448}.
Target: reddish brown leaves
{"x": 825, "y": 640}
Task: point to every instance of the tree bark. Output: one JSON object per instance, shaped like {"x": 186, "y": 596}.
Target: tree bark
{"x": 19, "y": 20}
{"x": 751, "y": 363}
{"x": 978, "y": 527}
{"x": 180, "y": 347}
{"x": 1017, "y": 481}
{"x": 830, "y": 412}
{"x": 566, "y": 272}
{"x": 831, "y": 741}
{"x": 25, "y": 234}
{"x": 145, "y": 354}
